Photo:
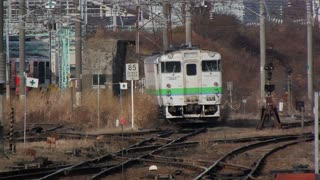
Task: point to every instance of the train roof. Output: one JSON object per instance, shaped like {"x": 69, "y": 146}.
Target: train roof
{"x": 152, "y": 59}
{"x": 155, "y": 57}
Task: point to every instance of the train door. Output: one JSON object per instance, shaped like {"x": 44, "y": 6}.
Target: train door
{"x": 191, "y": 89}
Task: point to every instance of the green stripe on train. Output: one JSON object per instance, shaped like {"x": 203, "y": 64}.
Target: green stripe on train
{"x": 187, "y": 91}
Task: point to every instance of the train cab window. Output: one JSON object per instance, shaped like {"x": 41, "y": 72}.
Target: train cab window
{"x": 209, "y": 66}
{"x": 191, "y": 69}
{"x": 170, "y": 67}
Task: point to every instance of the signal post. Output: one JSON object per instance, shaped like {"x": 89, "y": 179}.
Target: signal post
{"x": 269, "y": 109}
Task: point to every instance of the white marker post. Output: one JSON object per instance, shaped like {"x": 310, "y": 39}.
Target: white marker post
{"x": 132, "y": 109}
{"x": 25, "y": 110}
{"x": 132, "y": 73}
{"x": 316, "y": 132}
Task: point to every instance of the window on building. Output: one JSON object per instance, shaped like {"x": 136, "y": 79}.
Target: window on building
{"x": 99, "y": 79}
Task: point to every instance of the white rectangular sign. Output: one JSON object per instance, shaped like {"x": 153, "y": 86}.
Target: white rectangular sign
{"x": 132, "y": 71}
{"x": 123, "y": 86}
{"x": 32, "y": 82}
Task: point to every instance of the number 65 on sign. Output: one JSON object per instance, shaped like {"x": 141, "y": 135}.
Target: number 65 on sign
{"x": 132, "y": 71}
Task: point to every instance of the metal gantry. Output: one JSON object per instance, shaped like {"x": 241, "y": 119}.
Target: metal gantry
{"x": 64, "y": 60}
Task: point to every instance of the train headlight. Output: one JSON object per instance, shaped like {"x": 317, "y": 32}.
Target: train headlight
{"x": 168, "y": 85}
{"x": 216, "y": 84}
{"x": 170, "y": 55}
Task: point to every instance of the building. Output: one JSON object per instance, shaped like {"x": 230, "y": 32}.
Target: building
{"x": 49, "y": 27}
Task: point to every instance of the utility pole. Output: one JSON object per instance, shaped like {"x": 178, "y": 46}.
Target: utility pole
{"x": 2, "y": 80}
{"x": 137, "y": 28}
{"x": 115, "y": 10}
{"x": 309, "y": 55}
{"x": 169, "y": 23}
{"x": 78, "y": 53}
{"x": 289, "y": 72}
{"x": 262, "y": 50}
{"x": 22, "y": 5}
{"x": 188, "y": 24}
{"x": 8, "y": 53}
{"x": 165, "y": 25}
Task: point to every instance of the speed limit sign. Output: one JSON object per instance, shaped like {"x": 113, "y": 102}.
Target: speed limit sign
{"x": 132, "y": 71}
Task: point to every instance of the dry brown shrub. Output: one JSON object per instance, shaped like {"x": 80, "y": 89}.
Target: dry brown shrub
{"x": 148, "y": 111}
{"x": 56, "y": 107}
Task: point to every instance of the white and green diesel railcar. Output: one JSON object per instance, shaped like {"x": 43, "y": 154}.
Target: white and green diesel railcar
{"x": 186, "y": 82}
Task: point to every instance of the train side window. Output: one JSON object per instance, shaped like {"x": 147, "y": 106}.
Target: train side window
{"x": 170, "y": 67}
{"x": 209, "y": 66}
{"x": 162, "y": 67}
{"x": 191, "y": 69}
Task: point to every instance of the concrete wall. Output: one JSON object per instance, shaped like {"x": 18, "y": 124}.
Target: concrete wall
{"x": 97, "y": 58}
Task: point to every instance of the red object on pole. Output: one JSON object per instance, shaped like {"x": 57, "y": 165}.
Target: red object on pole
{"x": 17, "y": 80}
{"x": 123, "y": 121}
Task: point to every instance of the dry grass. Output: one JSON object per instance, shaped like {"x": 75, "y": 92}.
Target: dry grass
{"x": 56, "y": 152}
{"x": 56, "y": 107}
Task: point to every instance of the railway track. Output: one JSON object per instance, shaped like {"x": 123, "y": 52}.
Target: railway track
{"x": 110, "y": 163}
{"x": 155, "y": 147}
{"x": 215, "y": 170}
{"x": 39, "y": 133}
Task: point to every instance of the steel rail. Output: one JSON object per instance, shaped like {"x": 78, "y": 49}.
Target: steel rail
{"x": 184, "y": 165}
{"x": 239, "y": 150}
{"x": 67, "y": 170}
{"x": 259, "y": 163}
{"x": 137, "y": 159}
{"x": 43, "y": 172}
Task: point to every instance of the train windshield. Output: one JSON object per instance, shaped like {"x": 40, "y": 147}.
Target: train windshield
{"x": 170, "y": 67}
{"x": 191, "y": 69}
{"x": 210, "y": 65}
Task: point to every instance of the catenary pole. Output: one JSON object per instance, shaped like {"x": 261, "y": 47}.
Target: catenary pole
{"x": 316, "y": 133}
{"x": 169, "y": 24}
{"x": 2, "y": 80}
{"x": 262, "y": 50}
{"x": 7, "y": 51}
{"x": 188, "y": 24}
{"x": 309, "y": 55}
{"x": 138, "y": 28}
{"x": 22, "y": 48}
{"x": 78, "y": 53}
{"x": 165, "y": 25}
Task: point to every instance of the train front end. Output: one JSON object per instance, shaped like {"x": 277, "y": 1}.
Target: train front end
{"x": 190, "y": 84}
